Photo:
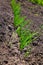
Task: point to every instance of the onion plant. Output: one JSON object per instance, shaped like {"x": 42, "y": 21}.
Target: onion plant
{"x": 40, "y": 2}
{"x": 26, "y": 36}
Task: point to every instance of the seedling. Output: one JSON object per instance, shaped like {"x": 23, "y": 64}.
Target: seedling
{"x": 26, "y": 37}
{"x": 40, "y": 2}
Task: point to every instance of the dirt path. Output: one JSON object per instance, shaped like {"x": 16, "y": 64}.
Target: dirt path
{"x": 9, "y": 50}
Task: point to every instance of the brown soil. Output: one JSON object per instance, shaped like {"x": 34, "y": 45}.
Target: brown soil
{"x": 9, "y": 41}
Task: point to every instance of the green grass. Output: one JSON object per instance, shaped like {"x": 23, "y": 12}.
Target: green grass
{"x": 26, "y": 37}
{"x": 40, "y": 2}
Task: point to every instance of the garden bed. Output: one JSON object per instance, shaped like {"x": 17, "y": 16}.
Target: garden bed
{"x": 10, "y": 53}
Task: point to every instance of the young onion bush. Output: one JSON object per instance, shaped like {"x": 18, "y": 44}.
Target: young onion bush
{"x": 26, "y": 37}
{"x": 40, "y": 2}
